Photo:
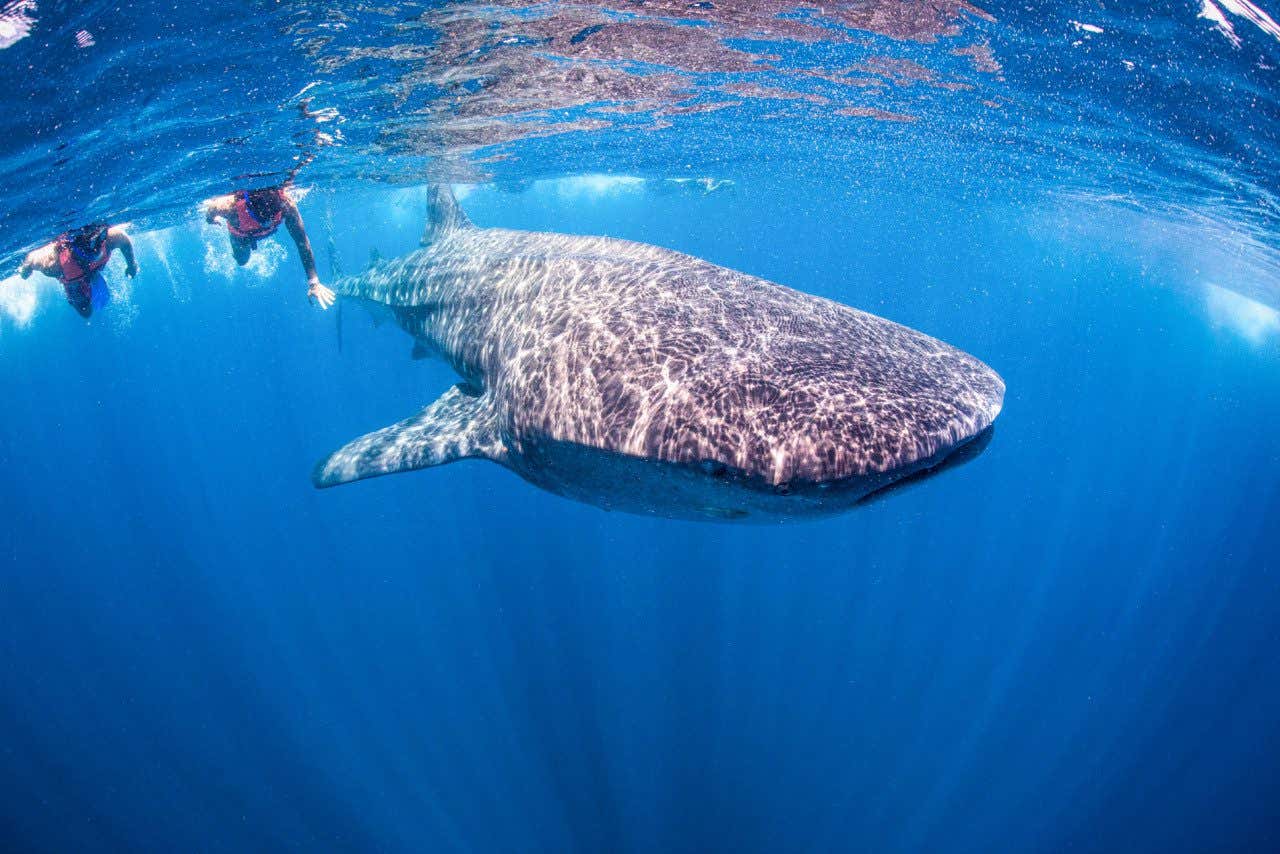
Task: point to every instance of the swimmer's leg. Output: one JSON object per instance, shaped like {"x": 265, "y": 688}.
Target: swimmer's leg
{"x": 99, "y": 294}
{"x": 78, "y": 298}
{"x": 241, "y": 249}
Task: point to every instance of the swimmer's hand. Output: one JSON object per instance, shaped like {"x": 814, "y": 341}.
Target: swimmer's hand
{"x": 131, "y": 270}
{"x": 319, "y": 294}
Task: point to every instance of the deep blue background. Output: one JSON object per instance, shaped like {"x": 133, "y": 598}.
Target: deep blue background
{"x": 1068, "y": 644}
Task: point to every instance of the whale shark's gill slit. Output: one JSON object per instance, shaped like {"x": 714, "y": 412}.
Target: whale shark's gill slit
{"x": 726, "y": 513}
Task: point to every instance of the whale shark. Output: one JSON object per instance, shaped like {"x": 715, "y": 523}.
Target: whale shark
{"x": 637, "y": 378}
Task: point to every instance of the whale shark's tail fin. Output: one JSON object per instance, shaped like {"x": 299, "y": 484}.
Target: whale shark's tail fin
{"x": 444, "y": 214}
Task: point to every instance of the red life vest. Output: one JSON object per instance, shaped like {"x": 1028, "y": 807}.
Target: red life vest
{"x": 248, "y": 226}
{"x": 76, "y": 266}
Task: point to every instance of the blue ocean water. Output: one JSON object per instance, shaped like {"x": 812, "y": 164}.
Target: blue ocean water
{"x": 1067, "y": 644}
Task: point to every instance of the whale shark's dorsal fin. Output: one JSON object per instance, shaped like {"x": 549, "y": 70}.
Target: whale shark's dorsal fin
{"x": 443, "y": 214}
{"x": 461, "y": 424}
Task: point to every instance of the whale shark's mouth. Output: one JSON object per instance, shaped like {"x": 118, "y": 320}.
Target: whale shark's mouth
{"x": 828, "y": 493}
{"x": 957, "y": 456}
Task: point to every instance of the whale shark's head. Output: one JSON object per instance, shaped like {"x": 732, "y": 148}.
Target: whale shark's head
{"x": 765, "y": 452}
{"x": 855, "y": 434}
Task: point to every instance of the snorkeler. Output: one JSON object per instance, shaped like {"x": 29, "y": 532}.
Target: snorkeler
{"x": 76, "y": 259}
{"x": 251, "y": 215}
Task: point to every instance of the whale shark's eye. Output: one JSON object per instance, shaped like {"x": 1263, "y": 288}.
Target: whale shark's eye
{"x": 782, "y": 489}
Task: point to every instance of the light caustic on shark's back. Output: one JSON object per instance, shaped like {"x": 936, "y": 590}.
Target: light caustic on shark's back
{"x": 634, "y": 377}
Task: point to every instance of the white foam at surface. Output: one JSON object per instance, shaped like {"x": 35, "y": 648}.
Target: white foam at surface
{"x": 218, "y": 260}
{"x": 1252, "y": 14}
{"x": 16, "y": 21}
{"x": 1249, "y": 318}
{"x": 591, "y": 186}
{"x": 1087, "y": 28}
{"x": 20, "y": 298}
{"x": 1212, "y": 13}
{"x": 707, "y": 184}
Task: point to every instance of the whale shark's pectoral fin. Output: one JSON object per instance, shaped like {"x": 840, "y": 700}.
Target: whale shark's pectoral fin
{"x": 443, "y": 214}
{"x": 461, "y": 424}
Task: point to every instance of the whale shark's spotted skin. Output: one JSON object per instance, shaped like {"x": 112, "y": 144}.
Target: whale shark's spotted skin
{"x": 612, "y": 371}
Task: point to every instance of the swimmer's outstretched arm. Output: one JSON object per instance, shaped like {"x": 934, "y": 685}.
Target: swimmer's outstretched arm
{"x": 293, "y": 221}
{"x": 117, "y": 239}
{"x": 42, "y": 260}
{"x": 218, "y": 206}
